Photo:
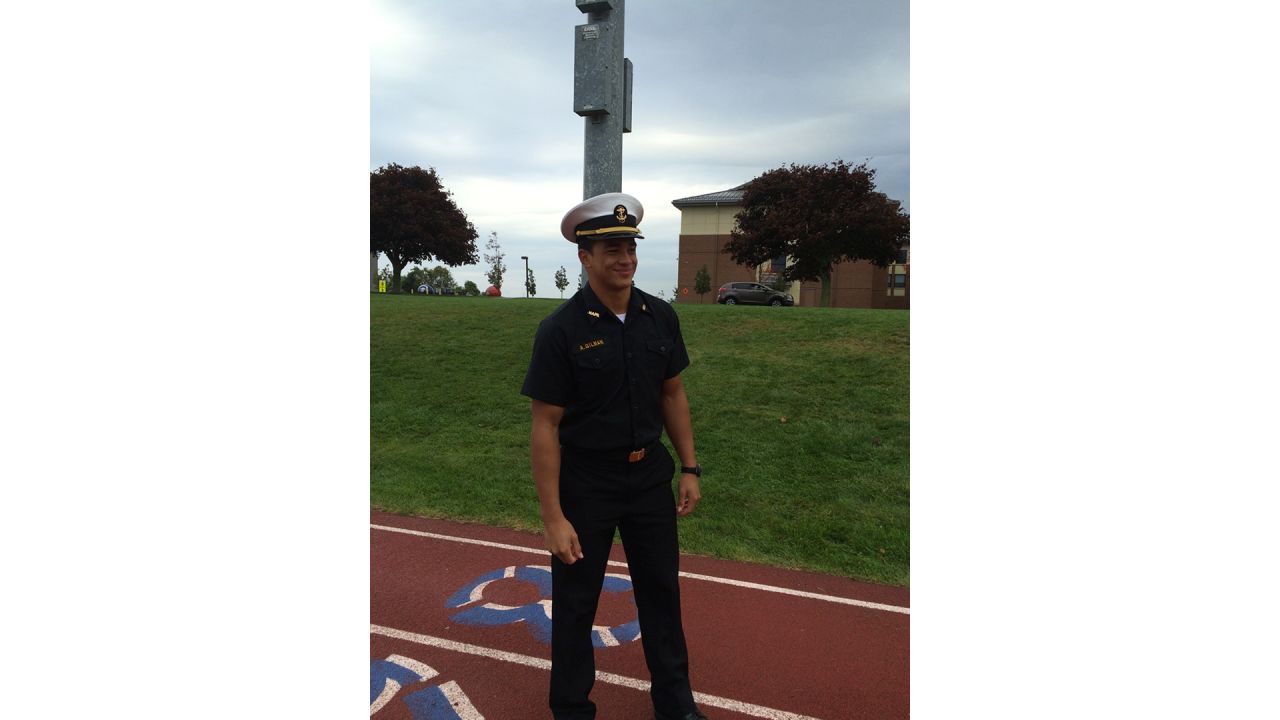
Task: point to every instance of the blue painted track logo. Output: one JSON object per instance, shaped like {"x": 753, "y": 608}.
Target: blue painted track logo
{"x": 535, "y": 615}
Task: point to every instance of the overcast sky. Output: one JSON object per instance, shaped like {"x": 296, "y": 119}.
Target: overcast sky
{"x": 724, "y": 90}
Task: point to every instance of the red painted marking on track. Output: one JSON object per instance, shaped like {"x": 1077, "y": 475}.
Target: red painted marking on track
{"x": 800, "y": 655}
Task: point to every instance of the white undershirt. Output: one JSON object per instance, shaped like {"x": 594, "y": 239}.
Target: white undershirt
{"x": 622, "y": 317}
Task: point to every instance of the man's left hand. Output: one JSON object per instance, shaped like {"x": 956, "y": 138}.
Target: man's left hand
{"x": 690, "y": 494}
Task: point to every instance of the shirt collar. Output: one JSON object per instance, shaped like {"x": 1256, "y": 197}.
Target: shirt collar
{"x": 637, "y": 303}
{"x": 596, "y": 309}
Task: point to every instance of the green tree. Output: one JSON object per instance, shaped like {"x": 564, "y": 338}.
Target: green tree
{"x": 529, "y": 285}
{"x": 412, "y": 279}
{"x": 702, "y": 282}
{"x": 412, "y": 218}
{"x": 562, "y": 281}
{"x": 818, "y": 216}
{"x": 493, "y": 257}
{"x": 470, "y": 288}
{"x": 439, "y": 277}
{"x": 384, "y": 273}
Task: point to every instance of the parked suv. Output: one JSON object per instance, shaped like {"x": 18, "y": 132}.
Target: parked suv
{"x": 752, "y": 293}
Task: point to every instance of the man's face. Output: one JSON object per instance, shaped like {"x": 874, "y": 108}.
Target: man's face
{"x": 611, "y": 264}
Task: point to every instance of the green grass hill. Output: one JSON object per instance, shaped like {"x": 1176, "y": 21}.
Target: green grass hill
{"x": 800, "y": 417}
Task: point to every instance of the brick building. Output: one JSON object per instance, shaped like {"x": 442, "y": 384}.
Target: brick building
{"x": 705, "y": 224}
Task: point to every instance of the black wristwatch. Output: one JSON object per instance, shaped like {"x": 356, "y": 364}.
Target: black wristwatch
{"x": 696, "y": 470}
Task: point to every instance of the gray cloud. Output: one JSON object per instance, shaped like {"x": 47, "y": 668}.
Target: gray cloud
{"x": 725, "y": 90}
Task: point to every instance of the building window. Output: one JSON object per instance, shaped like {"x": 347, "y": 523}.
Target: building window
{"x": 903, "y": 256}
{"x": 779, "y": 264}
{"x": 896, "y": 282}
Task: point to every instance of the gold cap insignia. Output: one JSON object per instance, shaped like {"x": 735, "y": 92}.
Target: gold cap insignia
{"x": 620, "y": 212}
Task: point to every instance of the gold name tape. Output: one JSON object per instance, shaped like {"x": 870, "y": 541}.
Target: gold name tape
{"x": 589, "y": 345}
{"x": 593, "y": 313}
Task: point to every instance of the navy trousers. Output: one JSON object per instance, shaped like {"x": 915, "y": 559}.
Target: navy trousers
{"x": 598, "y": 496}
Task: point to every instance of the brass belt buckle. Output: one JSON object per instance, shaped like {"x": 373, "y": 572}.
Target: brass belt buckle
{"x": 636, "y": 455}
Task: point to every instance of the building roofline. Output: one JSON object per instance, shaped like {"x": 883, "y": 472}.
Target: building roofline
{"x": 732, "y": 196}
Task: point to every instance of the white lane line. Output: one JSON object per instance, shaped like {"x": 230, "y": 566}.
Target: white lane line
{"x": 471, "y": 541}
{"x": 691, "y": 576}
{"x": 799, "y": 593}
{"x": 643, "y": 685}
{"x": 460, "y": 702}
{"x": 444, "y": 644}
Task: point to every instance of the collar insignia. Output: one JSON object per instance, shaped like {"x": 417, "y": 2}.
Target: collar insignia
{"x": 593, "y": 313}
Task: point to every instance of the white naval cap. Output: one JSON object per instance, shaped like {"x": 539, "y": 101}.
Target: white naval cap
{"x": 611, "y": 215}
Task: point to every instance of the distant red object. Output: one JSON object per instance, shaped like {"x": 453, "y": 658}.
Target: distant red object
{"x": 493, "y": 292}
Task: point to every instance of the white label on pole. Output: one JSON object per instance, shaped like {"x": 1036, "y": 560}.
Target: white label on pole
{"x": 590, "y": 32}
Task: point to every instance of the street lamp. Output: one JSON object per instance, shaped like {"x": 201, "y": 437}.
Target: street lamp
{"x": 525, "y": 258}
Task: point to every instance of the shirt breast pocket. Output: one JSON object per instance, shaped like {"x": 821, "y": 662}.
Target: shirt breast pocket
{"x": 657, "y": 355}
{"x": 595, "y": 372}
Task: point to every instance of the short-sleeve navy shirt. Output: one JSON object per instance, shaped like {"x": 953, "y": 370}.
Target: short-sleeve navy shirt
{"x": 606, "y": 374}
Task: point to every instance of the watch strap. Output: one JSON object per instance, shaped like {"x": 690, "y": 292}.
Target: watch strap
{"x": 695, "y": 470}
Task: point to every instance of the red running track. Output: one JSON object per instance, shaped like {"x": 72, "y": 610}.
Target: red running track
{"x": 803, "y": 645}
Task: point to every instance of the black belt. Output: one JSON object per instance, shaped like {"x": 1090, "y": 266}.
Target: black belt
{"x": 619, "y": 455}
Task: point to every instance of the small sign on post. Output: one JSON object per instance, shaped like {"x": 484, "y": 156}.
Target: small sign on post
{"x": 382, "y": 286}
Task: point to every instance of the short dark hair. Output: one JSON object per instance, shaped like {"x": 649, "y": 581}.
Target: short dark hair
{"x": 588, "y": 242}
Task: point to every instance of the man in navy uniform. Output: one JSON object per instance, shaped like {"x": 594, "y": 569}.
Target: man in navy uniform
{"x": 605, "y": 380}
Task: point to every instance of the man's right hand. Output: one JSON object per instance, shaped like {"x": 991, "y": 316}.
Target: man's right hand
{"x": 562, "y": 541}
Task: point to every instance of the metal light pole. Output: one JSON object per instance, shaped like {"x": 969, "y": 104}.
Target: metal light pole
{"x": 525, "y": 258}
{"x": 601, "y": 95}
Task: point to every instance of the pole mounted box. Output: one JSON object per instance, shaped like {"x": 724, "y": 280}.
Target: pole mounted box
{"x": 590, "y": 6}
{"x": 626, "y": 95}
{"x": 593, "y": 51}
